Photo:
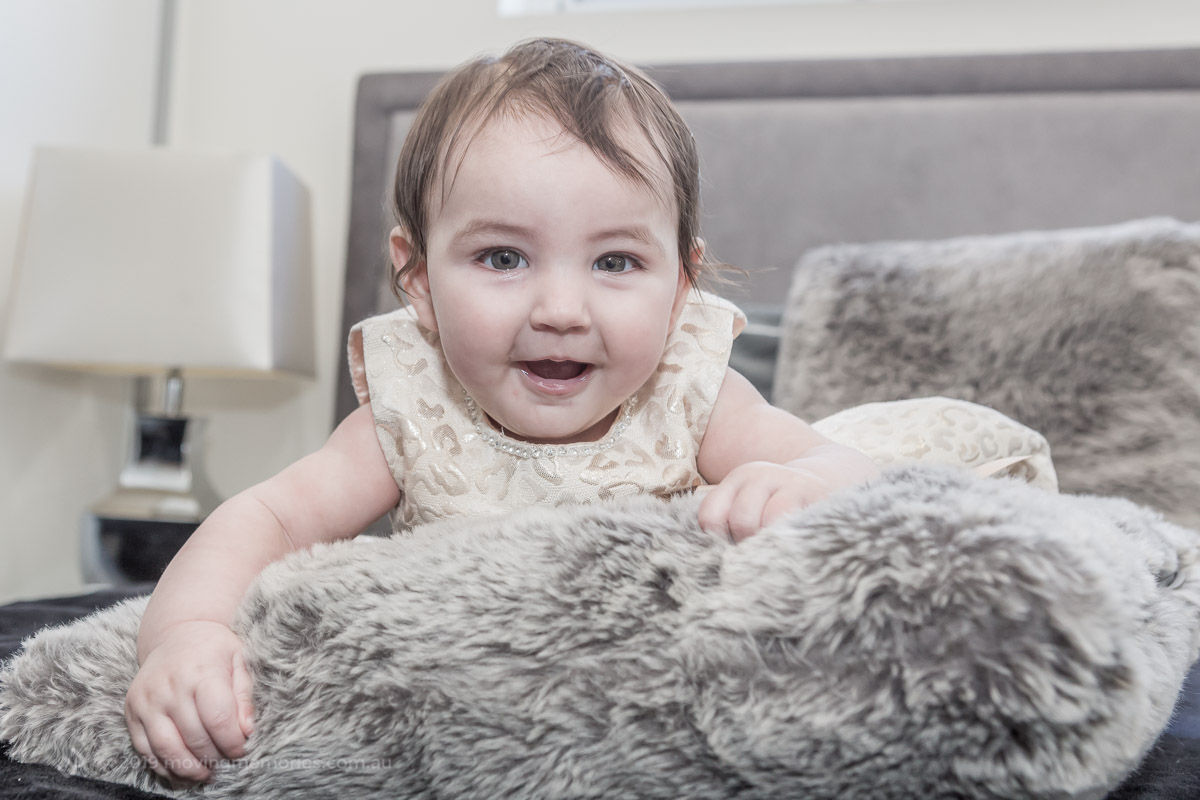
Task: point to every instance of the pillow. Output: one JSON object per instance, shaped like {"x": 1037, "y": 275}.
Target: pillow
{"x": 926, "y": 635}
{"x": 941, "y": 430}
{"x": 1090, "y": 336}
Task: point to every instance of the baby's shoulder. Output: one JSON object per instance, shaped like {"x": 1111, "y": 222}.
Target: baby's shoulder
{"x": 712, "y": 312}
{"x": 385, "y": 345}
{"x": 391, "y": 330}
{"x": 403, "y": 318}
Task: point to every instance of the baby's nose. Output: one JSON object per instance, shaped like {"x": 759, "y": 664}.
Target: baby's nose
{"x": 561, "y": 302}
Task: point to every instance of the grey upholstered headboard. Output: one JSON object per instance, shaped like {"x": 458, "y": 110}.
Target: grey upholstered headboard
{"x": 803, "y": 153}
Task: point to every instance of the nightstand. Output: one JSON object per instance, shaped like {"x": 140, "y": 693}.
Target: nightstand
{"x": 131, "y": 535}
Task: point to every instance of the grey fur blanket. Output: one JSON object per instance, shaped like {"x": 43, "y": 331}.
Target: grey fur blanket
{"x": 928, "y": 635}
{"x": 1089, "y": 336}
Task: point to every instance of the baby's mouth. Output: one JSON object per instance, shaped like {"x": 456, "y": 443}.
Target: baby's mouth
{"x": 549, "y": 370}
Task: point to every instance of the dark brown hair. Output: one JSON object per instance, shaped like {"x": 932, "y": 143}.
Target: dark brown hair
{"x": 591, "y": 95}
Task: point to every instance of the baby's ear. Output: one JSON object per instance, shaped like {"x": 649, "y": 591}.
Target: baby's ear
{"x": 415, "y": 281}
{"x": 684, "y": 287}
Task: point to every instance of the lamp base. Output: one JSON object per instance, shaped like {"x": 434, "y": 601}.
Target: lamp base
{"x": 161, "y": 497}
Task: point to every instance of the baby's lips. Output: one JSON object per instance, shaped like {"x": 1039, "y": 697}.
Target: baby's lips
{"x": 553, "y": 370}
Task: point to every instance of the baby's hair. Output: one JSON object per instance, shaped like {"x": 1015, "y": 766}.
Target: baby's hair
{"x": 592, "y": 96}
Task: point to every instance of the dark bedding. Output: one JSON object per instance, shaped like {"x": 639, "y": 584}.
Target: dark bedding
{"x": 1170, "y": 772}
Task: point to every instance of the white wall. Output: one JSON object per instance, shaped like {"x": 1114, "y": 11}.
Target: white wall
{"x": 74, "y": 72}
{"x": 279, "y": 76}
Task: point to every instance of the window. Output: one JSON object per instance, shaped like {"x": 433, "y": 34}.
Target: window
{"x": 510, "y": 8}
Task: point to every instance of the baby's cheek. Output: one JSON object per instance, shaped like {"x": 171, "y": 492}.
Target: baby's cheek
{"x": 471, "y": 359}
{"x": 647, "y": 343}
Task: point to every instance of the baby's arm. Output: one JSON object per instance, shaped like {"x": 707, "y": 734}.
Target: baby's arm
{"x": 190, "y": 701}
{"x": 765, "y": 461}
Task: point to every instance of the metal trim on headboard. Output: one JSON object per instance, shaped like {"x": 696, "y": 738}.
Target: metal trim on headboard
{"x": 381, "y": 95}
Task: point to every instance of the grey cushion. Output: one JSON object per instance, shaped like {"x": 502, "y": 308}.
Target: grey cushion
{"x": 1090, "y": 336}
{"x": 860, "y": 648}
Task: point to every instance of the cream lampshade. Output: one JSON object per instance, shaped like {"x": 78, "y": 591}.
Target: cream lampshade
{"x": 157, "y": 262}
{"x": 143, "y": 261}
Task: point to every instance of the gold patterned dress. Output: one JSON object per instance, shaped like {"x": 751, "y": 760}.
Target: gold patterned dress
{"x": 448, "y": 460}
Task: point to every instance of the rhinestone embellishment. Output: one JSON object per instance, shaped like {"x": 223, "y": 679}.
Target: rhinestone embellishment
{"x": 520, "y": 449}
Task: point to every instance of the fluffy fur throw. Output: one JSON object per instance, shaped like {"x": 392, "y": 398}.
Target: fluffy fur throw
{"x": 929, "y": 635}
{"x": 1090, "y": 337}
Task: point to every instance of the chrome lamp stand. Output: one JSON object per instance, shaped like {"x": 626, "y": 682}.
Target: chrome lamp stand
{"x": 162, "y": 495}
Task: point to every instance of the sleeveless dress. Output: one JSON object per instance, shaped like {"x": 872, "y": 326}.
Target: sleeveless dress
{"x": 449, "y": 461}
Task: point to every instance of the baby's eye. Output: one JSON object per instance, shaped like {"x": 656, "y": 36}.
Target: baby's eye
{"x": 504, "y": 259}
{"x": 614, "y": 262}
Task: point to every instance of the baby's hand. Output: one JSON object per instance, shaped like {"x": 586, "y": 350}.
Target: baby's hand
{"x": 756, "y": 493}
{"x": 189, "y": 704}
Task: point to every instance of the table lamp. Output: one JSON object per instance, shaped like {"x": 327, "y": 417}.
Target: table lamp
{"x": 160, "y": 263}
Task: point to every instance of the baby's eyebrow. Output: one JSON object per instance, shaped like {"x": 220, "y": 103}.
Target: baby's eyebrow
{"x": 491, "y": 227}
{"x": 638, "y": 233}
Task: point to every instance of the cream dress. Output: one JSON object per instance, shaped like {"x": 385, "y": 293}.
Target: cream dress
{"x": 448, "y": 460}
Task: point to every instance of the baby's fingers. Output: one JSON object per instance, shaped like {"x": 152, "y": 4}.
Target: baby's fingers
{"x": 734, "y": 509}
{"x": 156, "y": 738}
{"x": 713, "y": 513}
{"x": 198, "y": 740}
{"x": 166, "y": 752}
{"x": 243, "y": 692}
{"x": 141, "y": 743}
{"x": 220, "y": 733}
{"x": 745, "y": 515}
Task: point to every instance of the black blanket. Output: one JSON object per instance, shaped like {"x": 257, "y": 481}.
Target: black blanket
{"x": 1171, "y": 771}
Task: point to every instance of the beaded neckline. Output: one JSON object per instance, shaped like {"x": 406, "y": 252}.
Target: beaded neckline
{"x": 515, "y": 447}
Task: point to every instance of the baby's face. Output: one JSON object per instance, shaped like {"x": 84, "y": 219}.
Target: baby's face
{"x": 552, "y": 281}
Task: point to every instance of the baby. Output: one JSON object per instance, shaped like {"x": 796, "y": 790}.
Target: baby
{"x": 555, "y": 349}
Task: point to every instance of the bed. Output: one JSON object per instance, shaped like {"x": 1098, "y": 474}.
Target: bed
{"x": 797, "y": 156}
